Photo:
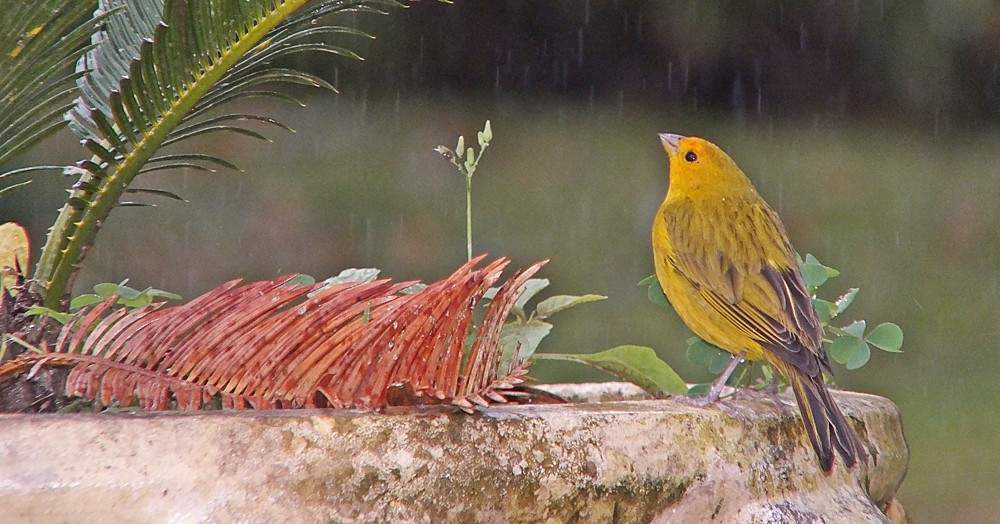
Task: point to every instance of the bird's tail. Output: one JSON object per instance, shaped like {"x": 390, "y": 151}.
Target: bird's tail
{"x": 824, "y": 423}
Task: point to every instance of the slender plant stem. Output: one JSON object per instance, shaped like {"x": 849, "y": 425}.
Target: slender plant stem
{"x": 468, "y": 216}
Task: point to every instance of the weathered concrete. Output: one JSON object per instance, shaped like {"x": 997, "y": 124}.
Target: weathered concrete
{"x": 624, "y": 461}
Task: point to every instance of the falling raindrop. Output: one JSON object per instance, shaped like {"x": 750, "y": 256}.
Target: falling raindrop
{"x": 670, "y": 76}
{"x": 991, "y": 84}
{"x": 802, "y": 36}
{"x": 738, "y": 97}
{"x": 781, "y": 197}
{"x": 369, "y": 238}
{"x": 397, "y": 115}
{"x": 364, "y": 106}
{"x": 586, "y": 12}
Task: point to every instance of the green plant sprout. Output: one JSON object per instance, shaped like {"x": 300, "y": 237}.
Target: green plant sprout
{"x": 466, "y": 161}
{"x": 127, "y": 296}
{"x": 524, "y": 331}
{"x": 522, "y": 334}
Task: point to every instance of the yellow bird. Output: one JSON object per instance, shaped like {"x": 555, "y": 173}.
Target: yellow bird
{"x": 725, "y": 263}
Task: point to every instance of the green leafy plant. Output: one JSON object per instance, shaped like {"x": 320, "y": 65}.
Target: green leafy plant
{"x": 124, "y": 296}
{"x": 525, "y": 330}
{"x": 636, "y": 364}
{"x": 849, "y": 345}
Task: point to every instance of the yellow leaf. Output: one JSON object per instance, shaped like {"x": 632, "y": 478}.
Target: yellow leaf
{"x": 13, "y": 245}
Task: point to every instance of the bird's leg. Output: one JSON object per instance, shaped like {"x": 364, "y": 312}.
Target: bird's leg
{"x": 712, "y": 398}
{"x": 772, "y": 388}
{"x": 720, "y": 383}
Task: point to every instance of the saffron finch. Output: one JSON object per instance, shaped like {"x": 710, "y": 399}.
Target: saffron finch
{"x": 725, "y": 263}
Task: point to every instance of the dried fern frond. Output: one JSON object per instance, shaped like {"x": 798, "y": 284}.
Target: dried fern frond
{"x": 278, "y": 344}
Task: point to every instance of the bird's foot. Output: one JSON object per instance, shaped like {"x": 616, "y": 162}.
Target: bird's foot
{"x": 757, "y": 394}
{"x": 712, "y": 401}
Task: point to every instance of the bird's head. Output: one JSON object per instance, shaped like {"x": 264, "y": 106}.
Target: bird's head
{"x": 699, "y": 168}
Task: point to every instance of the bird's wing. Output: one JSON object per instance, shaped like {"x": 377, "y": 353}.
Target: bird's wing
{"x": 752, "y": 280}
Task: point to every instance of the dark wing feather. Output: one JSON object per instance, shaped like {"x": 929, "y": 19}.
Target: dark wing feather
{"x": 751, "y": 280}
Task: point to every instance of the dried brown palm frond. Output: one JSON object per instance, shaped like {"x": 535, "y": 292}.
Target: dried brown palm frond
{"x": 278, "y": 344}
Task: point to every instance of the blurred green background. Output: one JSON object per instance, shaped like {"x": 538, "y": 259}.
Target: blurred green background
{"x": 872, "y": 127}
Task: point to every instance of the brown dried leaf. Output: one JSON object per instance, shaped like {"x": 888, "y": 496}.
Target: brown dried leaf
{"x": 269, "y": 345}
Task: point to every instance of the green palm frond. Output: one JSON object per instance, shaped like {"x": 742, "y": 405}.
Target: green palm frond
{"x": 158, "y": 71}
{"x": 39, "y": 43}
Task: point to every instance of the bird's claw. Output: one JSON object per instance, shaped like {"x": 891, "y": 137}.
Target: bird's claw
{"x": 708, "y": 401}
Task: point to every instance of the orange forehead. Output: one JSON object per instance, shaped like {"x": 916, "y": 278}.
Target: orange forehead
{"x": 693, "y": 143}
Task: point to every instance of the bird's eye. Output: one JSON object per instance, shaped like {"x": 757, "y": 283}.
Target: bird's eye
{"x": 691, "y": 156}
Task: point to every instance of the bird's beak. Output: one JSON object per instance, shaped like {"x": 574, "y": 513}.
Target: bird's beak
{"x": 671, "y": 143}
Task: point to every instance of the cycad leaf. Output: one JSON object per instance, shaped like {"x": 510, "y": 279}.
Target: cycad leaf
{"x": 39, "y": 43}
{"x": 157, "y": 70}
{"x": 358, "y": 344}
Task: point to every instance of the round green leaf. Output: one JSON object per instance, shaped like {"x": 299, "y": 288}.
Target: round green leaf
{"x": 105, "y": 289}
{"x": 707, "y": 356}
{"x": 814, "y": 275}
{"x": 128, "y": 293}
{"x": 824, "y": 309}
{"x": 88, "y": 299}
{"x": 855, "y": 329}
{"x": 141, "y": 300}
{"x": 655, "y": 294}
{"x": 699, "y": 390}
{"x": 887, "y": 337}
{"x": 850, "y": 351}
